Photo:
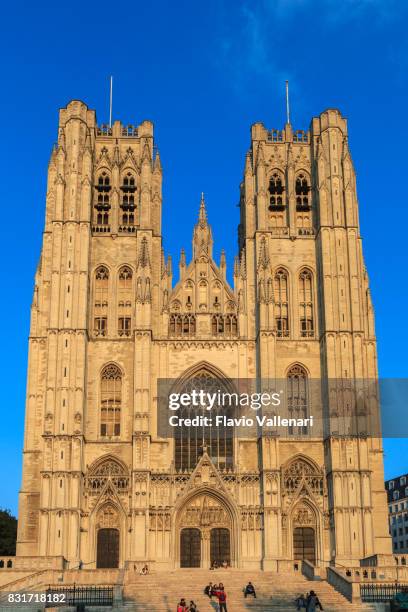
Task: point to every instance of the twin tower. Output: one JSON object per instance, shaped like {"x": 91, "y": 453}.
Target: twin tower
{"x": 101, "y": 485}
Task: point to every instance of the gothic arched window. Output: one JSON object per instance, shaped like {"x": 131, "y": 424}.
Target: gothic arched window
{"x": 106, "y": 470}
{"x": 111, "y": 400}
{"x": 276, "y": 190}
{"x": 125, "y": 295}
{"x": 128, "y": 202}
{"x": 281, "y": 295}
{"x": 302, "y": 189}
{"x": 102, "y": 204}
{"x": 306, "y": 304}
{"x": 182, "y": 325}
{"x": 297, "y": 394}
{"x": 100, "y": 323}
{"x": 191, "y": 441}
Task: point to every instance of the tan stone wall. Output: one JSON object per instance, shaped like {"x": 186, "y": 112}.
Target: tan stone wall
{"x": 61, "y": 507}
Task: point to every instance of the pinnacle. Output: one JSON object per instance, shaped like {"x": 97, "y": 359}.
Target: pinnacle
{"x": 202, "y": 215}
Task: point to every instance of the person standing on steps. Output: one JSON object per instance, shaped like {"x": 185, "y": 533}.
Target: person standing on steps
{"x": 222, "y": 598}
{"x": 209, "y": 589}
{"x": 312, "y": 602}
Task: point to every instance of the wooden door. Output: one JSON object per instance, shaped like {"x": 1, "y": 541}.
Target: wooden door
{"x": 190, "y": 548}
{"x": 304, "y": 544}
{"x": 107, "y": 548}
{"x": 220, "y": 549}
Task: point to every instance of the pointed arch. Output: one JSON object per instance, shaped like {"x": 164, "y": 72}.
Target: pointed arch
{"x": 191, "y": 441}
{"x": 110, "y": 400}
{"x": 302, "y": 190}
{"x": 297, "y": 393}
{"x": 102, "y": 203}
{"x": 306, "y": 303}
{"x": 281, "y": 299}
{"x": 125, "y": 300}
{"x": 101, "y": 296}
{"x": 128, "y": 203}
{"x": 276, "y": 190}
{"x": 107, "y": 468}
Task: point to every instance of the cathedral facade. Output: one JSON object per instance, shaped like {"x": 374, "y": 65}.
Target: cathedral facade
{"x": 101, "y": 486}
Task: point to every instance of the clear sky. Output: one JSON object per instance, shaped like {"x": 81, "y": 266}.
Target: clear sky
{"x": 203, "y": 72}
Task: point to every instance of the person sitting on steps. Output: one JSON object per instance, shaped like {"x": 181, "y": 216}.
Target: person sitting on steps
{"x": 208, "y": 589}
{"x": 300, "y": 602}
{"x": 250, "y": 590}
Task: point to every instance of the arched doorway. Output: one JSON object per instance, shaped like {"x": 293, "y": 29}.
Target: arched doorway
{"x": 190, "y": 548}
{"x": 304, "y": 533}
{"x": 304, "y": 544}
{"x": 107, "y": 555}
{"x": 107, "y": 536}
{"x": 220, "y": 546}
{"x": 205, "y": 531}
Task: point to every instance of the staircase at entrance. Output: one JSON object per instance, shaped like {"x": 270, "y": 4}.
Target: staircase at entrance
{"x": 275, "y": 592}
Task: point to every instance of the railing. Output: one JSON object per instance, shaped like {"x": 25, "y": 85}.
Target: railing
{"x": 89, "y": 596}
{"x": 275, "y": 136}
{"x": 306, "y": 231}
{"x": 129, "y": 130}
{"x": 127, "y": 229}
{"x": 380, "y": 592}
{"x": 101, "y": 229}
{"x": 343, "y": 584}
{"x": 104, "y": 130}
{"x": 301, "y": 136}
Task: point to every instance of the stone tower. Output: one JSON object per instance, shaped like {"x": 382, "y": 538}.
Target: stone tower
{"x": 100, "y": 484}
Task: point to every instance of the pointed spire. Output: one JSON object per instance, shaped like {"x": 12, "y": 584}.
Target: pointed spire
{"x": 182, "y": 264}
{"x": 146, "y": 157}
{"x": 248, "y": 163}
{"x": 157, "y": 163}
{"x": 202, "y": 235}
{"x": 223, "y": 264}
{"x": 236, "y": 266}
{"x": 169, "y": 266}
{"x": 202, "y": 214}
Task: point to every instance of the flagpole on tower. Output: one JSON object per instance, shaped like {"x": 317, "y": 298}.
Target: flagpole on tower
{"x": 287, "y": 103}
{"x": 110, "y": 101}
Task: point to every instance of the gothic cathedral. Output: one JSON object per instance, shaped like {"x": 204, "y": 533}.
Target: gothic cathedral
{"x": 100, "y": 485}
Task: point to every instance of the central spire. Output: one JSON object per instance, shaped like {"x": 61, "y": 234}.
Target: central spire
{"x": 202, "y": 235}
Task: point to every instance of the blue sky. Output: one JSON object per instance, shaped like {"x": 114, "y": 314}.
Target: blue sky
{"x": 203, "y": 72}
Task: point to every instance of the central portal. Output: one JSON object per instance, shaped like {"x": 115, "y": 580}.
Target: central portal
{"x": 205, "y": 532}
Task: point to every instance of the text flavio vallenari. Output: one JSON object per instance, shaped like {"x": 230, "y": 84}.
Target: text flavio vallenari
{"x": 218, "y": 400}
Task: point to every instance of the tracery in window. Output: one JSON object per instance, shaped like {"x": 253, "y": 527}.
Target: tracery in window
{"x": 125, "y": 295}
{"x": 281, "y": 303}
{"x": 191, "y": 441}
{"x": 111, "y": 400}
{"x": 102, "y": 204}
{"x": 276, "y": 189}
{"x": 297, "y": 394}
{"x": 182, "y": 325}
{"x": 306, "y": 304}
{"x": 128, "y": 203}
{"x": 100, "y": 319}
{"x": 226, "y": 325}
{"x": 302, "y": 190}
{"x": 108, "y": 470}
